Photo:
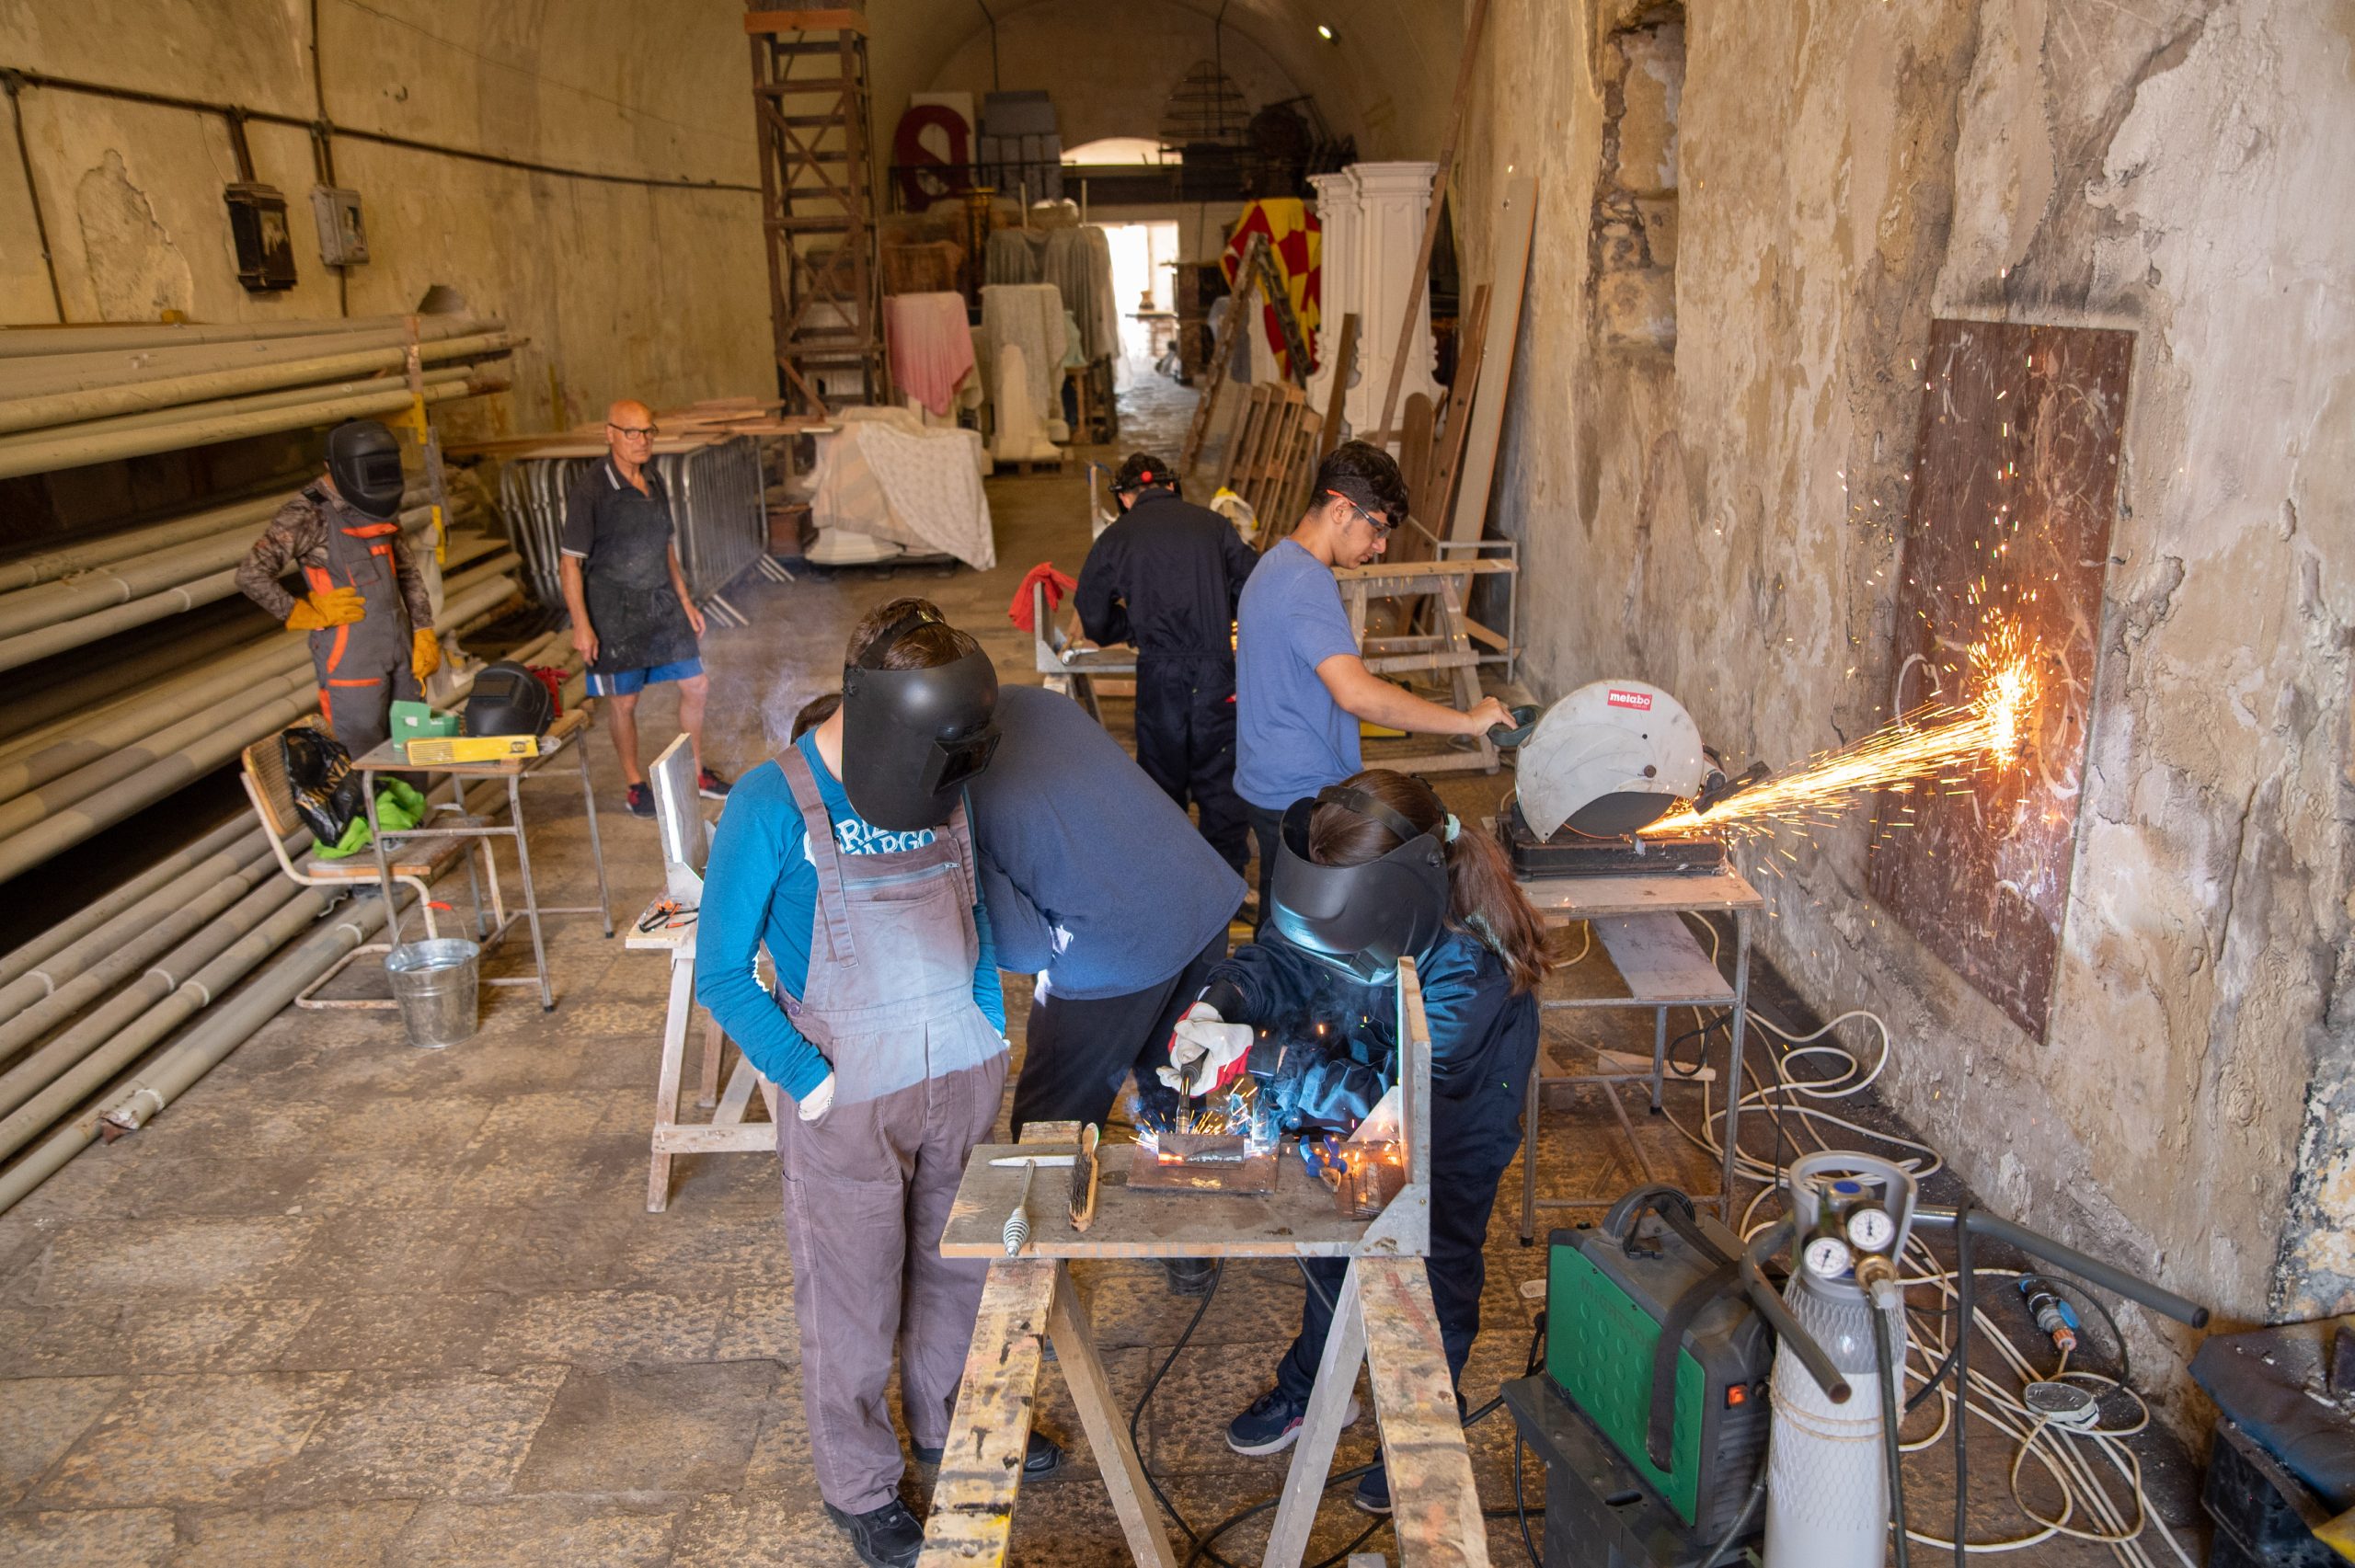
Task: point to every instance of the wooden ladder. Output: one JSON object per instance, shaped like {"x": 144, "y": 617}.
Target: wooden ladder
{"x": 1258, "y": 274}
{"x": 810, "y": 111}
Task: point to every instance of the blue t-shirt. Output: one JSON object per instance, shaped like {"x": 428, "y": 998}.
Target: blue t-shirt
{"x": 1291, "y": 737}
{"x": 1093, "y": 876}
{"x": 760, "y": 887}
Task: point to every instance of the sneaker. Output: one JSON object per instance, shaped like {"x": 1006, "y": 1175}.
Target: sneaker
{"x": 1041, "y": 1456}
{"x": 1189, "y": 1276}
{"x": 1373, "y": 1495}
{"x": 887, "y": 1537}
{"x": 711, "y": 785}
{"x": 640, "y": 802}
{"x": 1272, "y": 1423}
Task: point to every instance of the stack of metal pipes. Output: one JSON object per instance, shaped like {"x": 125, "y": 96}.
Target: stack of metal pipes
{"x": 171, "y": 674}
{"x": 71, "y": 395}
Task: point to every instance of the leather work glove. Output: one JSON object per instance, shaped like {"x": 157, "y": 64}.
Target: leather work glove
{"x": 816, "y": 1102}
{"x": 1200, "y": 1050}
{"x": 424, "y": 655}
{"x": 329, "y": 607}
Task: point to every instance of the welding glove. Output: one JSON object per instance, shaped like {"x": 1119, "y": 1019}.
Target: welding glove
{"x": 328, "y": 607}
{"x": 1203, "y": 1047}
{"x": 816, "y": 1103}
{"x": 424, "y": 655}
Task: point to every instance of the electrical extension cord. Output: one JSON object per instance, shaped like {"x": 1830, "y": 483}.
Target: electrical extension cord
{"x": 2065, "y": 1449}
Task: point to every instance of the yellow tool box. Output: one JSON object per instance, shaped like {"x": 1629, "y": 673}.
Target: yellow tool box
{"x": 472, "y": 749}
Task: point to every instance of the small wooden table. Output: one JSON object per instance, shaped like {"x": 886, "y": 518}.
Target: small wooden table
{"x": 1639, "y": 921}
{"x": 1384, "y": 1318}
{"x": 727, "y": 1132}
{"x": 569, "y": 732}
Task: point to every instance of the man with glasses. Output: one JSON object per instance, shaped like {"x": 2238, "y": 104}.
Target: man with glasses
{"x": 1301, "y": 688}
{"x": 632, "y": 618}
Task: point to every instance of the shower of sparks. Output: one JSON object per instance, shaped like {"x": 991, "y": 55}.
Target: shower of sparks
{"x": 1228, "y": 1114}
{"x": 1938, "y": 746}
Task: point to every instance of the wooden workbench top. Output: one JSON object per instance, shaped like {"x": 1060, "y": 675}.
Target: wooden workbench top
{"x": 1595, "y": 897}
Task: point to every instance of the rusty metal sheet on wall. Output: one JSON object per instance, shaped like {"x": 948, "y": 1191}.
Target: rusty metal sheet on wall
{"x": 2015, "y": 488}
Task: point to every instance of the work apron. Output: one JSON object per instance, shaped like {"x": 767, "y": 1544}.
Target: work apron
{"x": 363, "y": 667}
{"x": 633, "y": 607}
{"x": 918, "y": 1072}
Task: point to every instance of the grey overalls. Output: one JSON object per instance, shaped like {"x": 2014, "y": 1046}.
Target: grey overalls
{"x": 918, "y": 1072}
{"x": 364, "y": 667}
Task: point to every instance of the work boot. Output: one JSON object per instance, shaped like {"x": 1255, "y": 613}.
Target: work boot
{"x": 1040, "y": 1456}
{"x": 887, "y": 1537}
{"x": 1189, "y": 1276}
{"x": 1272, "y": 1423}
{"x": 711, "y": 785}
{"x": 640, "y": 801}
{"x": 1373, "y": 1495}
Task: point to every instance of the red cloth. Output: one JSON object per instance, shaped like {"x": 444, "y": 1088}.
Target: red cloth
{"x": 1058, "y": 583}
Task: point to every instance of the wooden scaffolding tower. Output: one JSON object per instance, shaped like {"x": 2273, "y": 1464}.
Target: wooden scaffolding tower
{"x": 809, "y": 98}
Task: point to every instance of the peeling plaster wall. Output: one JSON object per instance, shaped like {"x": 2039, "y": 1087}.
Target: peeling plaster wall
{"x": 1721, "y": 517}
{"x": 622, "y": 288}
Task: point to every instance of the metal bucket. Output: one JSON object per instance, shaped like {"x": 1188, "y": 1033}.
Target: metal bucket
{"x": 437, "y": 984}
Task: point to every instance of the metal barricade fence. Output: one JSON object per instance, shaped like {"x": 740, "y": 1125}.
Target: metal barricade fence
{"x": 718, "y": 510}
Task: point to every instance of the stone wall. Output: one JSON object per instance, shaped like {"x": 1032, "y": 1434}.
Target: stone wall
{"x": 1708, "y": 468}
{"x": 639, "y": 271}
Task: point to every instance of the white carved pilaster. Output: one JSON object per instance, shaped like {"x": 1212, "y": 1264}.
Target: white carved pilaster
{"x": 1393, "y": 200}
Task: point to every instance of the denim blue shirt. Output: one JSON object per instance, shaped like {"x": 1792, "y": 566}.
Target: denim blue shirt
{"x": 759, "y": 889}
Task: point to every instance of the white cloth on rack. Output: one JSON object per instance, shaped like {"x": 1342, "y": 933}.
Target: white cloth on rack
{"x": 884, "y": 474}
{"x": 1079, "y": 262}
{"x": 1030, "y": 316}
{"x": 1022, "y": 432}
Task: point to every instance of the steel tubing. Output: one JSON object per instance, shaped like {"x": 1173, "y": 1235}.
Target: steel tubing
{"x": 115, "y": 945}
{"x": 101, "y": 339}
{"x": 70, "y": 826}
{"x": 249, "y": 403}
{"x": 108, "y": 1052}
{"x": 169, "y": 976}
{"x": 84, "y": 555}
{"x": 222, "y": 1030}
{"x": 60, "y": 952}
{"x": 46, "y": 451}
{"x": 38, "y": 375}
{"x": 44, "y": 411}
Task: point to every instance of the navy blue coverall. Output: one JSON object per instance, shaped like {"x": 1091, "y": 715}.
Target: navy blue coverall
{"x": 1166, "y": 577}
{"x": 1484, "y": 1046}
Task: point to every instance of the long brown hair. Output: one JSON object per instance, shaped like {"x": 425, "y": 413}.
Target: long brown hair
{"x": 1483, "y": 898}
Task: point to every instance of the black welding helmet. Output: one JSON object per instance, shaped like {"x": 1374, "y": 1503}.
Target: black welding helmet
{"x": 1361, "y": 919}
{"x": 914, "y": 738}
{"x": 365, "y": 460}
{"x": 508, "y": 699}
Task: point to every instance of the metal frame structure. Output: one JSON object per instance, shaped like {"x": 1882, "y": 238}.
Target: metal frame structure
{"x": 717, "y": 507}
{"x": 810, "y": 112}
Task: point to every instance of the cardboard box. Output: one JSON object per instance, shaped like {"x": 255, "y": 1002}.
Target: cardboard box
{"x": 471, "y": 748}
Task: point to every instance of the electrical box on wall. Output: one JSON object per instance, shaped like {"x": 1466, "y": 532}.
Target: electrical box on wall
{"x": 265, "y": 246}
{"x": 342, "y": 240}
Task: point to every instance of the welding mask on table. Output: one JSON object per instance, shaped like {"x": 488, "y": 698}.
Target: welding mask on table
{"x": 914, "y": 738}
{"x": 1361, "y": 919}
{"x": 365, "y": 460}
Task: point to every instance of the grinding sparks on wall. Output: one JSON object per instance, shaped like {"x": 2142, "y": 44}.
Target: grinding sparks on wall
{"x": 1940, "y": 745}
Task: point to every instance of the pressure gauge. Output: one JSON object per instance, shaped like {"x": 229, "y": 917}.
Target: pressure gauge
{"x": 1828, "y": 1257}
{"x": 1871, "y": 1228}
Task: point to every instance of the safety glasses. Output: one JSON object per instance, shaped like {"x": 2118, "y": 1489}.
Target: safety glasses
{"x": 635, "y": 432}
{"x": 1383, "y": 528}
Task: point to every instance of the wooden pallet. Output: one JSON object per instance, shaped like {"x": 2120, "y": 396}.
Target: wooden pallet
{"x": 1257, "y": 274}
{"x": 1273, "y": 456}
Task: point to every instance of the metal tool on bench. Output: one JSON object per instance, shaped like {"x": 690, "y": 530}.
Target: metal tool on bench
{"x": 1602, "y": 764}
{"x": 1083, "y": 1166}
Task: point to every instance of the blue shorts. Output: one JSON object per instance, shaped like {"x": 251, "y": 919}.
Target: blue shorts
{"x": 630, "y": 683}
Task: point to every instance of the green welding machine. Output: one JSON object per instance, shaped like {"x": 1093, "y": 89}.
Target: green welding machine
{"x": 1648, "y": 1336}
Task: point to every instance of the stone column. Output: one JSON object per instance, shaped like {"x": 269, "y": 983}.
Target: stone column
{"x": 1393, "y": 199}
{"x": 1339, "y": 290}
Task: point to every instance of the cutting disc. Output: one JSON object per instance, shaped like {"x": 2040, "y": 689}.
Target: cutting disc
{"x": 1607, "y": 760}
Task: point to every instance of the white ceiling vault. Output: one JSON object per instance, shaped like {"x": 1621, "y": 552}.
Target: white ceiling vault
{"x": 1386, "y": 81}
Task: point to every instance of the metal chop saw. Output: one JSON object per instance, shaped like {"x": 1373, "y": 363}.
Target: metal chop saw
{"x": 1602, "y": 764}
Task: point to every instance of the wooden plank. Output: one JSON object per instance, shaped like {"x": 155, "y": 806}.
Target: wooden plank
{"x": 1415, "y": 456}
{"x": 1320, "y": 1430}
{"x": 1389, "y": 571}
{"x": 1447, "y": 458}
{"x": 833, "y": 20}
{"x": 1501, "y": 334}
{"x": 1564, "y": 899}
{"x": 1661, "y": 961}
{"x": 1435, "y": 1508}
{"x": 1107, "y": 1427}
{"x": 1441, "y": 174}
{"x": 717, "y": 1137}
{"x": 981, "y": 1473}
{"x": 1345, "y": 366}
{"x": 666, "y": 1088}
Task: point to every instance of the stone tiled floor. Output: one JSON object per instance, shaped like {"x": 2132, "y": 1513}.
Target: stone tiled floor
{"x": 348, "y": 1303}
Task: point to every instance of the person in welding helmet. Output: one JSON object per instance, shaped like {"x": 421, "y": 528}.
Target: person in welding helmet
{"x": 1368, "y": 872}
{"x": 850, "y": 858}
{"x": 363, "y": 600}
